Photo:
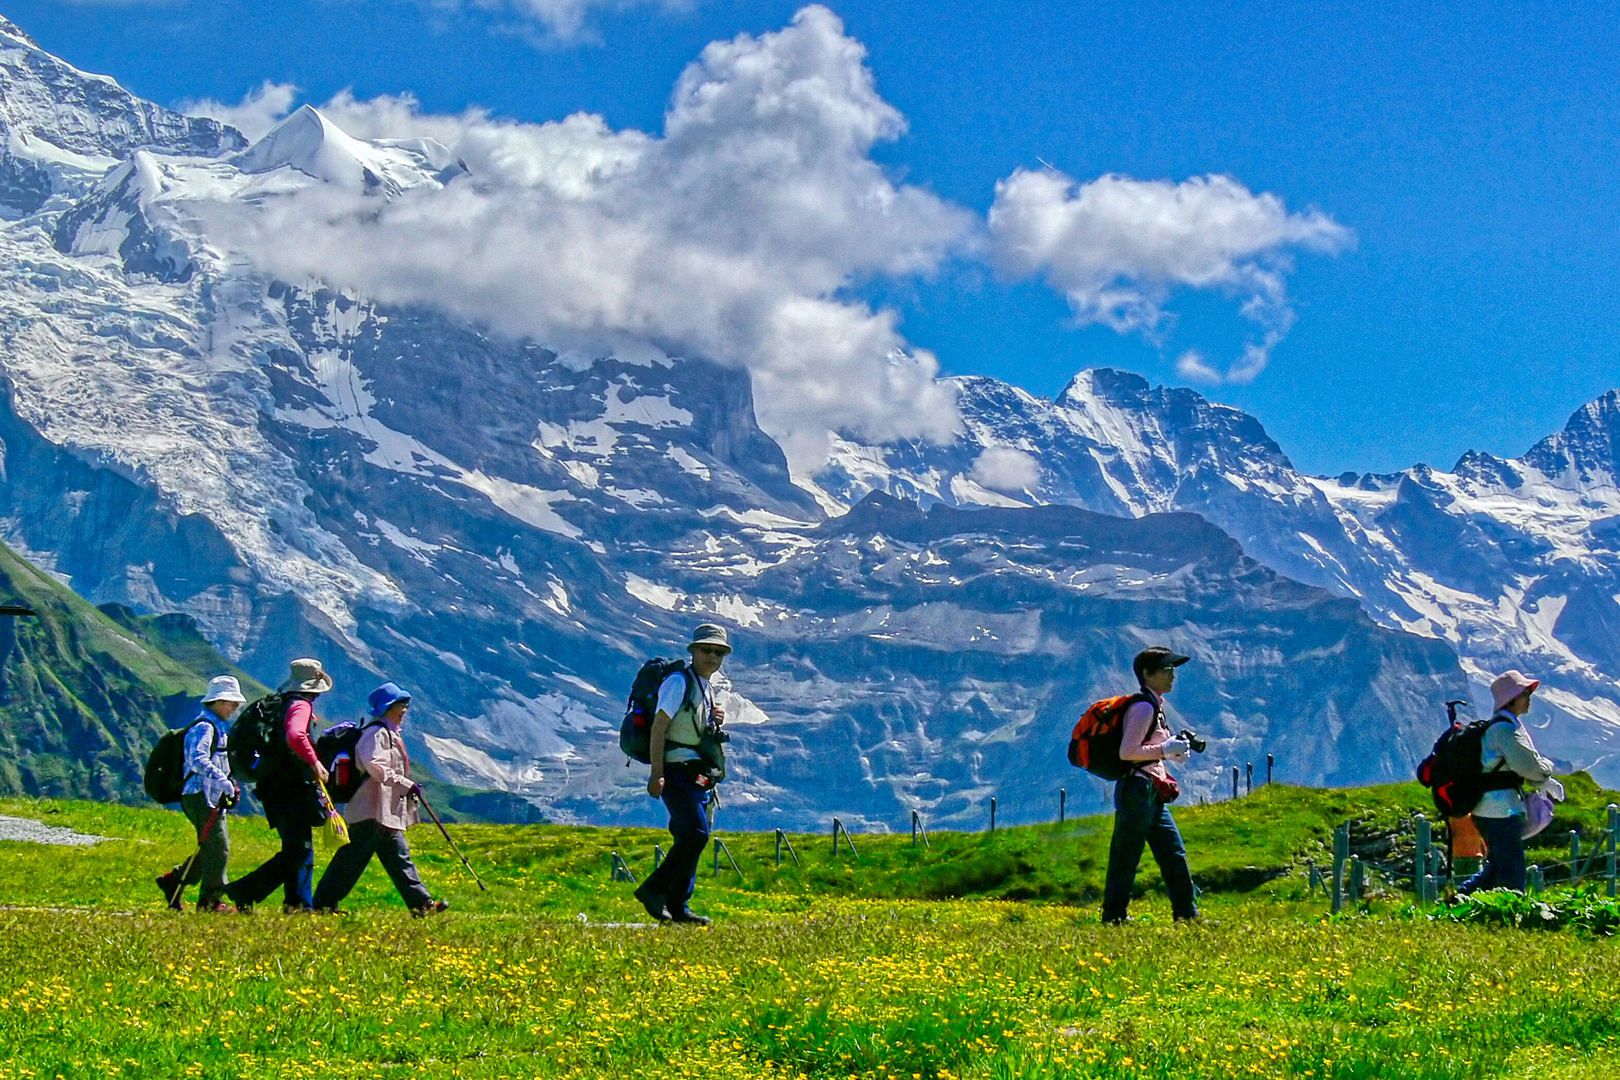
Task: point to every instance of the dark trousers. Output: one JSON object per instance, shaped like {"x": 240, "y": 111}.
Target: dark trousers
{"x": 213, "y": 850}
{"x": 1504, "y": 856}
{"x": 676, "y": 877}
{"x": 368, "y": 838}
{"x": 1140, "y": 817}
{"x": 292, "y": 869}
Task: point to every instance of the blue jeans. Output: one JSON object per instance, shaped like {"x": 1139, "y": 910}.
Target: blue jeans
{"x": 292, "y": 868}
{"x": 676, "y": 877}
{"x": 1504, "y": 856}
{"x": 1141, "y": 818}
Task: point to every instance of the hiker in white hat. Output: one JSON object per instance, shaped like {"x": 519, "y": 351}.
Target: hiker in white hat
{"x": 687, "y": 761}
{"x": 1500, "y": 815}
{"x": 209, "y": 792}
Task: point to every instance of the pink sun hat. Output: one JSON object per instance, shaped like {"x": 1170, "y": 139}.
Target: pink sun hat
{"x": 1509, "y": 685}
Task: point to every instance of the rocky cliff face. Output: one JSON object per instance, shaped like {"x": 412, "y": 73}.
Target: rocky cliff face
{"x": 510, "y": 533}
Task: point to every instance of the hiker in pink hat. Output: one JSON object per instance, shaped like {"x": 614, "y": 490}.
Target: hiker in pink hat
{"x": 1500, "y": 814}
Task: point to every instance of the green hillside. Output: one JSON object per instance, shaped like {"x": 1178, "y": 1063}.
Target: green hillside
{"x": 82, "y": 698}
{"x": 835, "y": 969}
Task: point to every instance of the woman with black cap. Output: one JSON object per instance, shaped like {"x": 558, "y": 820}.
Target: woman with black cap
{"x": 1142, "y": 797}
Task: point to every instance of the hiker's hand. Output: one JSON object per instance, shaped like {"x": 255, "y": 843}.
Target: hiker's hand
{"x": 1175, "y": 749}
{"x": 415, "y": 792}
{"x": 320, "y": 772}
{"x": 717, "y": 713}
{"x": 655, "y": 787}
{"x": 1554, "y": 789}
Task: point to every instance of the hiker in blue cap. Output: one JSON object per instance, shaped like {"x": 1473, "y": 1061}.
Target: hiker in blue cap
{"x": 380, "y": 811}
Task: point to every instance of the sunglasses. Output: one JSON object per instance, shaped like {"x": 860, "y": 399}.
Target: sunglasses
{"x": 709, "y": 650}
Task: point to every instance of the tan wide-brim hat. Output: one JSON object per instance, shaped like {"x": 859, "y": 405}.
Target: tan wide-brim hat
{"x": 308, "y": 677}
{"x": 710, "y": 634}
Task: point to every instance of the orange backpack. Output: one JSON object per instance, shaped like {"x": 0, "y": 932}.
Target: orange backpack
{"x": 1094, "y": 744}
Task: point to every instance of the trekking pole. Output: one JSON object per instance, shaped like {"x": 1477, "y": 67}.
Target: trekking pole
{"x": 185, "y": 867}
{"x": 1248, "y": 778}
{"x": 1234, "y": 781}
{"x": 429, "y": 808}
{"x": 1270, "y": 761}
{"x": 1420, "y": 864}
{"x": 992, "y": 813}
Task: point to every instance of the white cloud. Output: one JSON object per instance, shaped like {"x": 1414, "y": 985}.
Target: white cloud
{"x": 562, "y": 20}
{"x": 257, "y": 112}
{"x": 735, "y": 234}
{"x": 1117, "y": 248}
{"x": 1003, "y": 468}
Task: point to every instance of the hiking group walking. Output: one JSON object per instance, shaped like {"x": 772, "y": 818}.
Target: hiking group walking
{"x": 300, "y": 780}
{"x": 1488, "y": 772}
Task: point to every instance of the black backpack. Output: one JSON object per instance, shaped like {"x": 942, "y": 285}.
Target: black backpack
{"x": 336, "y": 748}
{"x": 635, "y": 733}
{"x": 1453, "y": 772}
{"x": 258, "y": 745}
{"x": 165, "y": 776}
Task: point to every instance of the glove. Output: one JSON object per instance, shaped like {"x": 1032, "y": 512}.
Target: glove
{"x": 1175, "y": 749}
{"x": 1554, "y": 789}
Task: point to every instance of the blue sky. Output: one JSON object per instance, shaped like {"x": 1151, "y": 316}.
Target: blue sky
{"x": 1469, "y": 152}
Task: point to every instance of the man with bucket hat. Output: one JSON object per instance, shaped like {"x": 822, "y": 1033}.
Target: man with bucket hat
{"x": 380, "y": 811}
{"x": 1142, "y": 796}
{"x": 1500, "y": 815}
{"x": 290, "y": 792}
{"x": 685, "y": 742}
{"x": 208, "y": 793}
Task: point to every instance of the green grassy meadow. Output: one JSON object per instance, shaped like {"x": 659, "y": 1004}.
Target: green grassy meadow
{"x": 981, "y": 956}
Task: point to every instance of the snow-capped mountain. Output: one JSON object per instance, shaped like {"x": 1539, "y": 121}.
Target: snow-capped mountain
{"x": 63, "y": 128}
{"x": 510, "y": 531}
{"x": 1513, "y": 563}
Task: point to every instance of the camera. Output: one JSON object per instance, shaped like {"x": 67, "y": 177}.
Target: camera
{"x": 1198, "y": 745}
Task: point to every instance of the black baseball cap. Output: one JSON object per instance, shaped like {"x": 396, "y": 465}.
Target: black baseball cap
{"x": 1156, "y": 658}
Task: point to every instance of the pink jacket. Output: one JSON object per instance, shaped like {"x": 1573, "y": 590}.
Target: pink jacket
{"x": 384, "y": 797}
{"x": 1142, "y": 738}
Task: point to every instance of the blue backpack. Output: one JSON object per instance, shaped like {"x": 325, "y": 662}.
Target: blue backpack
{"x": 635, "y": 733}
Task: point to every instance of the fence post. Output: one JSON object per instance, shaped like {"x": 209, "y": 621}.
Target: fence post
{"x": 1063, "y": 803}
{"x": 1358, "y": 881}
{"x": 1234, "y": 781}
{"x": 992, "y": 813}
{"x": 1341, "y": 852}
{"x": 1248, "y": 778}
{"x": 781, "y": 842}
{"x": 838, "y": 827}
{"x": 1314, "y": 882}
{"x": 1270, "y": 761}
{"x": 1420, "y": 861}
{"x": 1614, "y": 847}
{"x": 918, "y": 829}
{"x": 1574, "y": 856}
{"x": 1538, "y": 881}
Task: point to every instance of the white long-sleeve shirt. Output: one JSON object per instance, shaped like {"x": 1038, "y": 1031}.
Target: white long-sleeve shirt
{"x": 207, "y": 765}
{"x": 1508, "y": 744}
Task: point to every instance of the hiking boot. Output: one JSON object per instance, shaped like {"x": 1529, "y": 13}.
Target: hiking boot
{"x": 296, "y": 909}
{"x": 434, "y": 908}
{"x": 656, "y": 906}
{"x": 690, "y": 918}
{"x": 330, "y": 911}
{"x": 171, "y": 888}
{"x": 215, "y": 907}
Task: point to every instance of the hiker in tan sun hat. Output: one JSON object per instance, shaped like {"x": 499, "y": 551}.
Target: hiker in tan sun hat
{"x": 1500, "y": 815}
{"x": 287, "y": 786}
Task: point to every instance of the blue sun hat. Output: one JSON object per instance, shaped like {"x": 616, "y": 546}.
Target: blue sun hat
{"x": 385, "y": 697}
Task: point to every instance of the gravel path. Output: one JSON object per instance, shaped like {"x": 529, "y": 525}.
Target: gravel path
{"x": 28, "y": 831}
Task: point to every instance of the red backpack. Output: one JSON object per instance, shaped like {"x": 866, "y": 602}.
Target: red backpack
{"x": 1094, "y": 744}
